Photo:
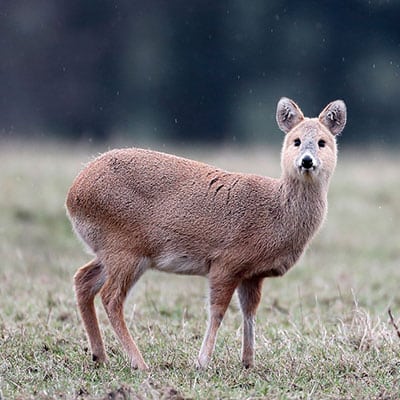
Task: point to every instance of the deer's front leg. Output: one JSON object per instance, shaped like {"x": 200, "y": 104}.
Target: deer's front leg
{"x": 221, "y": 291}
{"x": 249, "y": 292}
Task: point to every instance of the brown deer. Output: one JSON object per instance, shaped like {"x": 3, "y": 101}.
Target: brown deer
{"x": 139, "y": 209}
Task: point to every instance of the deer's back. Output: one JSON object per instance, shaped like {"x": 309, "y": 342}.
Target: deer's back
{"x": 163, "y": 200}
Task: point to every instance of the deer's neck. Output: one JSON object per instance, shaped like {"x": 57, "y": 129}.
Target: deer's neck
{"x": 304, "y": 205}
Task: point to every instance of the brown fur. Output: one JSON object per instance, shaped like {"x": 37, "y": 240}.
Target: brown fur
{"x": 138, "y": 209}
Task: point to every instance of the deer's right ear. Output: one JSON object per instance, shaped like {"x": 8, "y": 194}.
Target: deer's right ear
{"x": 288, "y": 114}
{"x": 334, "y": 116}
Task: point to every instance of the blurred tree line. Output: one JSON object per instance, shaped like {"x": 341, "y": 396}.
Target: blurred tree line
{"x": 195, "y": 70}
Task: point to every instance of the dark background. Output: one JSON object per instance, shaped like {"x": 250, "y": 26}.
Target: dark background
{"x": 189, "y": 71}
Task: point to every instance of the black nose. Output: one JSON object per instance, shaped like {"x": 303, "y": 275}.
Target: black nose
{"x": 307, "y": 162}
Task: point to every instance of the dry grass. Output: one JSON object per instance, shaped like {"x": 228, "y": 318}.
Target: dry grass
{"x": 323, "y": 330}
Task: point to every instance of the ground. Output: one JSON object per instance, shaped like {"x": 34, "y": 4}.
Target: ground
{"x": 323, "y": 330}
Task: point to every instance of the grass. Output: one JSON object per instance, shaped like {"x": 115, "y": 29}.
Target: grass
{"x": 323, "y": 330}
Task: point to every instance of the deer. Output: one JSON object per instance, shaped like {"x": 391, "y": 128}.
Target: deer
{"x": 138, "y": 209}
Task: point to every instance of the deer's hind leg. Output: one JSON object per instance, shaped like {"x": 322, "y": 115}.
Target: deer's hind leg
{"x": 88, "y": 281}
{"x": 122, "y": 273}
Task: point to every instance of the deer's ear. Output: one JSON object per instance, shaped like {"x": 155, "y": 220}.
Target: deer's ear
{"x": 334, "y": 116}
{"x": 288, "y": 114}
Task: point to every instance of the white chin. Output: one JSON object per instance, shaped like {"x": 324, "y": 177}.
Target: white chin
{"x": 307, "y": 172}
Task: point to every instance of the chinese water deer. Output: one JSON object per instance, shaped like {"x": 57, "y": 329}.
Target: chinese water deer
{"x": 139, "y": 209}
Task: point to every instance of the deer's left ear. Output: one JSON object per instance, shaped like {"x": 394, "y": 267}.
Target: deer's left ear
{"x": 334, "y": 116}
{"x": 288, "y": 114}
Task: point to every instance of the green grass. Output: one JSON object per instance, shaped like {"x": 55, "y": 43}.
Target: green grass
{"x": 323, "y": 330}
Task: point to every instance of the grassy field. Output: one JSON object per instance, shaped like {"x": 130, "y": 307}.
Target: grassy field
{"x": 323, "y": 330}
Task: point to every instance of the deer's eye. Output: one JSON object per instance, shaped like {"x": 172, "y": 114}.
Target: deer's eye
{"x": 297, "y": 142}
{"x": 321, "y": 143}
